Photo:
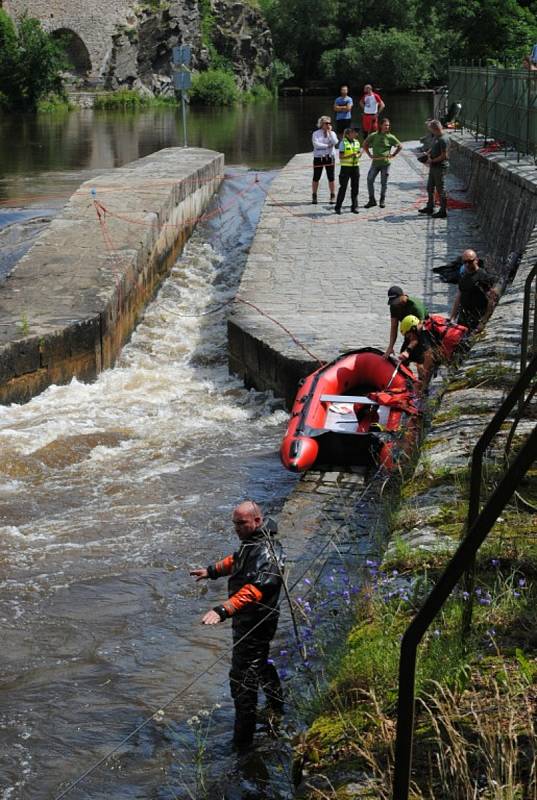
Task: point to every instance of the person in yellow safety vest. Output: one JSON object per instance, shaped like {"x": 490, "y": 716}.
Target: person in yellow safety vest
{"x": 349, "y": 160}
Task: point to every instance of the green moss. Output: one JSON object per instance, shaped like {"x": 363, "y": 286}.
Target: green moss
{"x": 492, "y": 375}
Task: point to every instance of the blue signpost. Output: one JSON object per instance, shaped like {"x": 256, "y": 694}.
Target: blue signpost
{"x": 182, "y": 77}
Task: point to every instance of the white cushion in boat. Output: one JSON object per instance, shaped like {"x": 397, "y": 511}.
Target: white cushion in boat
{"x": 346, "y": 398}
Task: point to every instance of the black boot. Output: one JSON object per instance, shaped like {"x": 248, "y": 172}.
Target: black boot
{"x": 243, "y": 731}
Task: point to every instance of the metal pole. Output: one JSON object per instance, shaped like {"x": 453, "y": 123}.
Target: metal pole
{"x": 528, "y": 115}
{"x": 183, "y": 106}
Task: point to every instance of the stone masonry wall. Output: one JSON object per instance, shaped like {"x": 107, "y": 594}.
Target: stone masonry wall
{"x": 95, "y": 23}
{"x": 504, "y": 190}
{"x": 73, "y": 300}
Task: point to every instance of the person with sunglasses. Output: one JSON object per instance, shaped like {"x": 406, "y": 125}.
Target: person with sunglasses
{"x": 475, "y": 296}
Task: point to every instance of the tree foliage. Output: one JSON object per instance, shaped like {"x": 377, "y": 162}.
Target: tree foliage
{"x": 396, "y": 43}
{"x": 215, "y": 87}
{"x": 392, "y": 59}
{"x": 31, "y": 62}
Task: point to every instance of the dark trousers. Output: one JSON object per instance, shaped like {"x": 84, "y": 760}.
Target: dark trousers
{"x": 250, "y": 670}
{"x": 437, "y": 180}
{"x": 347, "y": 174}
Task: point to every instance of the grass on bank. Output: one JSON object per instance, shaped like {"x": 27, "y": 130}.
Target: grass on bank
{"x": 475, "y": 731}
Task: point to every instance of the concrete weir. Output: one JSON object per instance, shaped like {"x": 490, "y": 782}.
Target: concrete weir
{"x": 72, "y": 302}
{"x": 325, "y": 277}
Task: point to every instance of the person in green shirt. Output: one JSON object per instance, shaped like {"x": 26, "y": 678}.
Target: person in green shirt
{"x": 401, "y": 306}
{"x": 379, "y": 146}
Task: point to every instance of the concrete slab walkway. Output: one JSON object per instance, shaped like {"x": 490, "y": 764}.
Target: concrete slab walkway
{"x": 325, "y": 277}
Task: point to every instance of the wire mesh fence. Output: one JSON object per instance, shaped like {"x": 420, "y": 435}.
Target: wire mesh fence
{"x": 497, "y": 103}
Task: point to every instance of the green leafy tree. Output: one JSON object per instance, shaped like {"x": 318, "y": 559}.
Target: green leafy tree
{"x": 31, "y": 62}
{"x": 390, "y": 58}
{"x": 301, "y": 31}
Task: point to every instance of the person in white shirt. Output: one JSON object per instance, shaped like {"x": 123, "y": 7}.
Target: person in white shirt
{"x": 324, "y": 141}
{"x": 372, "y": 105}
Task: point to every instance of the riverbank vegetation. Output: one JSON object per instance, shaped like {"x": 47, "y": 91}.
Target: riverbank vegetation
{"x": 476, "y": 688}
{"x": 396, "y": 44}
{"x": 31, "y": 63}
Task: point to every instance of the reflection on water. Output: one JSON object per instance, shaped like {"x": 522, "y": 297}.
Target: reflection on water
{"x": 109, "y": 493}
{"x": 259, "y": 135}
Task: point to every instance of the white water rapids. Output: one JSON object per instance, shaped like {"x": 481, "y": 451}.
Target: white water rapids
{"x": 109, "y": 492}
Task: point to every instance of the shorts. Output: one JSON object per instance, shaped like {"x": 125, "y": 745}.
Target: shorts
{"x": 323, "y": 161}
{"x": 370, "y": 123}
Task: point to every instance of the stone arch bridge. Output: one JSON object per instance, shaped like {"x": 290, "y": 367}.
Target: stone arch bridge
{"x": 87, "y": 27}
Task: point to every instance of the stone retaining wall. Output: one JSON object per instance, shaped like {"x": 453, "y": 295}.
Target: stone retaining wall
{"x": 470, "y": 397}
{"x": 503, "y": 189}
{"x": 73, "y": 300}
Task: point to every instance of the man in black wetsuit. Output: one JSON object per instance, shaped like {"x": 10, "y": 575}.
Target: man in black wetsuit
{"x": 475, "y": 296}
{"x": 255, "y": 578}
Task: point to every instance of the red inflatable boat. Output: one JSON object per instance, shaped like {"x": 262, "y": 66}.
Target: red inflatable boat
{"x": 350, "y": 412}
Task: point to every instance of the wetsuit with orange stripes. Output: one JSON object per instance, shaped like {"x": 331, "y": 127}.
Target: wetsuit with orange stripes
{"x": 255, "y": 578}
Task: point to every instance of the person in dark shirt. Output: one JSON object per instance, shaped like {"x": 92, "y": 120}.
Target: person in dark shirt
{"x": 401, "y": 306}
{"x": 255, "y": 578}
{"x": 419, "y": 347}
{"x": 475, "y": 296}
{"x": 438, "y": 163}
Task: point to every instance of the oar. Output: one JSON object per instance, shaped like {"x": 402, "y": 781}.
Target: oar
{"x": 393, "y": 376}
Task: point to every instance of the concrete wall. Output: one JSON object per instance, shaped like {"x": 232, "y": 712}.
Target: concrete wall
{"x": 504, "y": 191}
{"x": 74, "y": 299}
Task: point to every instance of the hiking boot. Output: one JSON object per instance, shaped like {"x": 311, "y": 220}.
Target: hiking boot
{"x": 426, "y": 210}
{"x": 442, "y": 214}
{"x": 332, "y": 199}
{"x": 314, "y": 199}
{"x": 370, "y": 203}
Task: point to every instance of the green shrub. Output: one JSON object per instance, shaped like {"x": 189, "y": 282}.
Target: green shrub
{"x": 122, "y": 99}
{"x": 215, "y": 87}
{"x": 30, "y": 63}
{"x": 53, "y": 104}
{"x": 257, "y": 94}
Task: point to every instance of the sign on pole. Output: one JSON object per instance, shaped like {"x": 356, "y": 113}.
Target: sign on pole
{"x": 182, "y": 81}
{"x": 182, "y": 54}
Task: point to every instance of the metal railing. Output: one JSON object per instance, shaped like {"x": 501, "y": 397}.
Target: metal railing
{"x": 497, "y": 103}
{"x": 480, "y": 524}
{"x": 527, "y": 349}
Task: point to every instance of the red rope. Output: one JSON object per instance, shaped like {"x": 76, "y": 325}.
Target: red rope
{"x": 280, "y": 325}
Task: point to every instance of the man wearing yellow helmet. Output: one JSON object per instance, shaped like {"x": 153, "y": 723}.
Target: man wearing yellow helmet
{"x": 418, "y": 347}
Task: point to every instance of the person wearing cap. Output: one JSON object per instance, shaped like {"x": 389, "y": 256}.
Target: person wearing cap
{"x": 402, "y": 305}
{"x": 255, "y": 573}
{"x": 419, "y": 347}
{"x": 349, "y": 160}
{"x": 379, "y": 146}
{"x": 475, "y": 296}
{"x": 438, "y": 163}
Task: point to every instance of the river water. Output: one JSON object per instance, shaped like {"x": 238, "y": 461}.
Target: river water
{"x": 111, "y": 491}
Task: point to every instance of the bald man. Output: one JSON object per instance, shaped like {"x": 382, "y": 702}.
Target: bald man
{"x": 255, "y": 573}
{"x": 475, "y": 296}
